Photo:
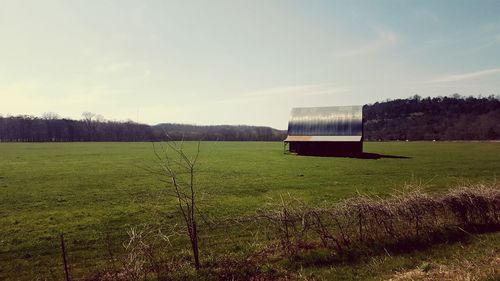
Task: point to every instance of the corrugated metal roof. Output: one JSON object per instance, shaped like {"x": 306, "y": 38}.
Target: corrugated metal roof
{"x": 327, "y": 121}
{"x": 323, "y": 138}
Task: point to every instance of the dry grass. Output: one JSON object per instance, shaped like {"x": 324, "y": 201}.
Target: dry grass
{"x": 405, "y": 221}
{"x": 487, "y": 268}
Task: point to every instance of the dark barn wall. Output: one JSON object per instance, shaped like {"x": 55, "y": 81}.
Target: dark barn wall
{"x": 315, "y": 148}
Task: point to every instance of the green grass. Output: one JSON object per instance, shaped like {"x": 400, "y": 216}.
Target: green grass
{"x": 475, "y": 253}
{"x": 88, "y": 189}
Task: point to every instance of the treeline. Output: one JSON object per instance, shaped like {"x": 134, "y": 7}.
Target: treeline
{"x": 220, "y": 132}
{"x": 415, "y": 118}
{"x": 92, "y": 127}
{"x": 51, "y": 128}
{"x": 439, "y": 118}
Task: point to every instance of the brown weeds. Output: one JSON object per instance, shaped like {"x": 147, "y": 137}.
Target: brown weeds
{"x": 406, "y": 220}
{"x": 359, "y": 226}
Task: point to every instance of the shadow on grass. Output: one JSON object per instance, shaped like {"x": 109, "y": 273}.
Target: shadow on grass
{"x": 324, "y": 257}
{"x": 363, "y": 155}
{"x": 366, "y": 155}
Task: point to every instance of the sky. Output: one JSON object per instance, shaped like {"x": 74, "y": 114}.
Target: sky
{"x": 239, "y": 62}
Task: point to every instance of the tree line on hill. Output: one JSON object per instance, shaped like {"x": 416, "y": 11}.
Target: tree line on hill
{"x": 92, "y": 127}
{"x": 439, "y": 118}
{"x": 415, "y": 118}
{"x": 219, "y": 132}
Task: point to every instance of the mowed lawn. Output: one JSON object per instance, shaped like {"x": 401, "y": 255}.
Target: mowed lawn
{"x": 94, "y": 190}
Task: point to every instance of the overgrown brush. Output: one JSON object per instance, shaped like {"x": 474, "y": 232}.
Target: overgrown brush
{"x": 148, "y": 253}
{"x": 408, "y": 219}
{"x": 474, "y": 207}
{"x": 362, "y": 225}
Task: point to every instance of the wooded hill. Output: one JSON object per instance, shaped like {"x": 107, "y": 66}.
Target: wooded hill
{"x": 440, "y": 118}
{"x": 219, "y": 132}
{"x": 415, "y": 118}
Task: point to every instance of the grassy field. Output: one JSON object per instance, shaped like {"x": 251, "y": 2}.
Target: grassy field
{"x": 87, "y": 190}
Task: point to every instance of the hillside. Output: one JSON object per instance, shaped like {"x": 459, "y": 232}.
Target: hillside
{"x": 440, "y": 118}
{"x": 219, "y": 132}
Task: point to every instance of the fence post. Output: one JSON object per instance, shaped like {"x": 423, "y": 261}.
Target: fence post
{"x": 65, "y": 262}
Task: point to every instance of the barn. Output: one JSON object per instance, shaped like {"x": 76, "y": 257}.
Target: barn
{"x": 326, "y": 131}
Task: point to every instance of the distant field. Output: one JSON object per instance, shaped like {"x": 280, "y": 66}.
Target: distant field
{"x": 89, "y": 189}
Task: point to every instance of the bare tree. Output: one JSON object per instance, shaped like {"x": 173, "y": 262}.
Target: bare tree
{"x": 88, "y": 119}
{"x": 50, "y": 116}
{"x": 51, "y": 126}
{"x": 180, "y": 170}
{"x": 88, "y": 116}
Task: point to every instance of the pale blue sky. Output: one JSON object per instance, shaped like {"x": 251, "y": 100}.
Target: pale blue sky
{"x": 239, "y": 62}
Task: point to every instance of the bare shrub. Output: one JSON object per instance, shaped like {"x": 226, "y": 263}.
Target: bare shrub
{"x": 474, "y": 206}
{"x": 407, "y": 219}
{"x": 287, "y": 222}
{"x": 148, "y": 255}
{"x": 146, "y": 251}
{"x": 415, "y": 215}
{"x": 179, "y": 168}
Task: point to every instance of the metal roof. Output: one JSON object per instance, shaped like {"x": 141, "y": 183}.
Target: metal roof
{"x": 345, "y": 121}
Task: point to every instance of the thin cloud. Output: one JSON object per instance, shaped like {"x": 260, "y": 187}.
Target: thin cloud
{"x": 384, "y": 39}
{"x": 425, "y": 14}
{"x": 295, "y": 91}
{"x": 464, "y": 76}
{"x": 298, "y": 90}
{"x": 113, "y": 67}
